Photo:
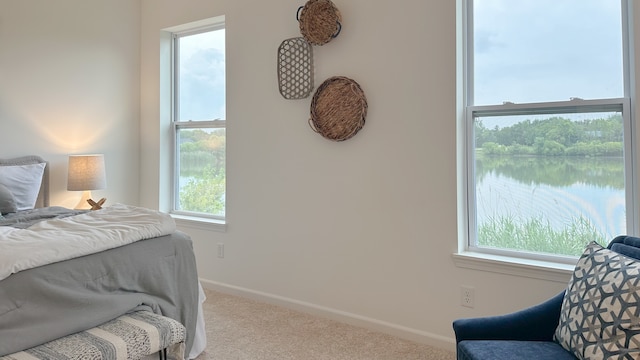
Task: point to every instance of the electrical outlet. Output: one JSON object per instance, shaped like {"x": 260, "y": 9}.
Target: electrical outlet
{"x": 467, "y": 296}
{"x": 221, "y": 250}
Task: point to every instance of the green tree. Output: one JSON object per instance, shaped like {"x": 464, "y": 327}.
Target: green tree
{"x": 491, "y": 148}
{"x": 203, "y": 161}
{"x": 205, "y": 194}
{"x": 554, "y": 136}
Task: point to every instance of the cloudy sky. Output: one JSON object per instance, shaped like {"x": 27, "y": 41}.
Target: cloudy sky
{"x": 547, "y": 50}
{"x": 202, "y": 76}
{"x": 524, "y": 51}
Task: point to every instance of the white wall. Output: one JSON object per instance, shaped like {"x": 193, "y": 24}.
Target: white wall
{"x": 363, "y": 228}
{"x": 69, "y": 84}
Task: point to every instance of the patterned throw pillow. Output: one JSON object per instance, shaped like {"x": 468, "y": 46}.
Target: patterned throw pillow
{"x": 600, "y": 316}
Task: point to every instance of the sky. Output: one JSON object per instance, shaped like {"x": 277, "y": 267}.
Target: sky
{"x": 524, "y": 51}
{"x": 547, "y": 50}
{"x": 202, "y": 76}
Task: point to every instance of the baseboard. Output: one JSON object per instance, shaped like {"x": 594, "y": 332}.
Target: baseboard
{"x": 403, "y": 332}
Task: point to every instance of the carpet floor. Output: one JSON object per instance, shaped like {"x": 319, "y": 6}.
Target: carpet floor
{"x": 243, "y": 329}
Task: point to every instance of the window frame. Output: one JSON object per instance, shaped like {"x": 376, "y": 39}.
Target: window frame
{"x": 215, "y": 24}
{"x": 546, "y": 266}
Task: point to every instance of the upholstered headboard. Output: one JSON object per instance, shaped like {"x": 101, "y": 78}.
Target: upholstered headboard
{"x": 43, "y": 195}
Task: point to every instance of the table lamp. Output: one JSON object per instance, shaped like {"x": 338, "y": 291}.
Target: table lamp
{"x": 86, "y": 173}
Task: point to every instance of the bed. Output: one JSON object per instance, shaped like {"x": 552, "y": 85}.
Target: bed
{"x": 51, "y": 285}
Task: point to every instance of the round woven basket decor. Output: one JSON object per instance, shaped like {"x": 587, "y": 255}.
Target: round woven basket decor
{"x": 295, "y": 68}
{"x": 338, "y": 109}
{"x": 320, "y": 21}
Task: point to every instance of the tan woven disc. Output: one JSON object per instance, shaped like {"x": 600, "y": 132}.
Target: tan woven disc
{"x": 319, "y": 21}
{"x": 338, "y": 108}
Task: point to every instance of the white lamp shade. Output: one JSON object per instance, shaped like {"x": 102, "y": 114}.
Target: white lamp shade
{"x": 86, "y": 172}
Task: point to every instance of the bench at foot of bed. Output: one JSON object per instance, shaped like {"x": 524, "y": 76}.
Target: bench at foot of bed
{"x": 130, "y": 337}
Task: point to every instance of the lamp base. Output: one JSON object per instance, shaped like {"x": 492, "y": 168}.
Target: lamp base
{"x": 83, "y": 204}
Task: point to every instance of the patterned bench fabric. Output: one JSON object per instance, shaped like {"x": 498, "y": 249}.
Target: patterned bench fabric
{"x": 131, "y": 336}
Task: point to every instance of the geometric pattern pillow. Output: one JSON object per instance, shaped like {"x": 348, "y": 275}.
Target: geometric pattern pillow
{"x": 600, "y": 315}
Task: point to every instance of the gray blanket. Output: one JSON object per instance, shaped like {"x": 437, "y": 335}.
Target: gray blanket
{"x": 52, "y": 301}
{"x": 24, "y": 219}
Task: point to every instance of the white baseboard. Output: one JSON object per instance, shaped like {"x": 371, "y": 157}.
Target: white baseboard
{"x": 403, "y": 332}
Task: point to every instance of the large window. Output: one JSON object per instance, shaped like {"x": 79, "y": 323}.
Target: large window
{"x": 548, "y": 128}
{"x": 199, "y": 121}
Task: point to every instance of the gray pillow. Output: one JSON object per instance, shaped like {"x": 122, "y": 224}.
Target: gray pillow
{"x": 7, "y": 201}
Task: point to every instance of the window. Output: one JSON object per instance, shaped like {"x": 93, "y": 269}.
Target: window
{"x": 547, "y": 126}
{"x": 199, "y": 121}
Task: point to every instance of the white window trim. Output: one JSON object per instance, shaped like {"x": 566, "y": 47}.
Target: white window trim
{"x": 509, "y": 263}
{"x": 200, "y": 223}
{"x": 185, "y": 218}
{"x": 535, "y": 269}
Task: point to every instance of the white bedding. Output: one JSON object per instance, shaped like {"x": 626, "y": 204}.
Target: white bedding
{"x": 56, "y": 240}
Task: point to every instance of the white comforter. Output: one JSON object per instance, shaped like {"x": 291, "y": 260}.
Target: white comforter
{"x": 50, "y": 241}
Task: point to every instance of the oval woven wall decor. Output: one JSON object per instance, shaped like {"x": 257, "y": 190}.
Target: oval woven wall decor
{"x": 338, "y": 109}
{"x": 295, "y": 68}
{"x": 320, "y": 21}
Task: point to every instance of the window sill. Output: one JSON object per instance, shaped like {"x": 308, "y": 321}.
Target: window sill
{"x": 534, "y": 269}
{"x": 200, "y": 223}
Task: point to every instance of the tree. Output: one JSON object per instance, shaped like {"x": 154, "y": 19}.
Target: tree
{"x": 203, "y": 162}
{"x": 554, "y": 136}
{"x": 205, "y": 194}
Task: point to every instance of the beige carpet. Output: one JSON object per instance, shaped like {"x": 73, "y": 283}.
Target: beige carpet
{"x": 242, "y": 329}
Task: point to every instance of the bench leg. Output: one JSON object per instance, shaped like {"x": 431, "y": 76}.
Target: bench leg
{"x": 163, "y": 354}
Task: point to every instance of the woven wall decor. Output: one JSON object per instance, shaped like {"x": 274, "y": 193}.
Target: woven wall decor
{"x": 295, "y": 68}
{"x": 338, "y": 109}
{"x": 320, "y": 21}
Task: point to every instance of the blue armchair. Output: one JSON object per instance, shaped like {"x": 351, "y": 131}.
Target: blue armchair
{"x": 526, "y": 334}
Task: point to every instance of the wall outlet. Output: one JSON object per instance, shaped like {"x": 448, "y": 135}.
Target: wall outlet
{"x": 221, "y": 250}
{"x": 467, "y": 296}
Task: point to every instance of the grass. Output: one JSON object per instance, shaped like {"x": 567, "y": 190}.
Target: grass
{"x": 537, "y": 235}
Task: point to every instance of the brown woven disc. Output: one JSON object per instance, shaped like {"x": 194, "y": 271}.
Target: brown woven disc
{"x": 338, "y": 108}
{"x": 319, "y": 21}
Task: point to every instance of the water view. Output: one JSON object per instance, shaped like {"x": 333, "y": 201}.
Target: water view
{"x": 549, "y": 183}
{"x": 556, "y": 189}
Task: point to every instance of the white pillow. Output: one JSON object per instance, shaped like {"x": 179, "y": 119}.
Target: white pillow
{"x": 7, "y": 201}
{"x": 24, "y": 182}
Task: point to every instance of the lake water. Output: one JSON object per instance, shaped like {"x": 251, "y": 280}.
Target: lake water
{"x": 559, "y": 190}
